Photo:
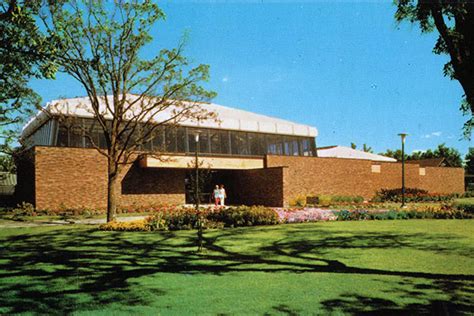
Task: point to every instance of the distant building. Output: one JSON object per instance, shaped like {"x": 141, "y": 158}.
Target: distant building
{"x": 261, "y": 160}
{"x": 350, "y": 153}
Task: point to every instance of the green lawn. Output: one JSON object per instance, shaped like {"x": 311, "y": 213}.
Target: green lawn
{"x": 411, "y": 266}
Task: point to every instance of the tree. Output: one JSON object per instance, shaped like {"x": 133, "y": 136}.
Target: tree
{"x": 365, "y": 148}
{"x": 451, "y": 155}
{"x": 469, "y": 160}
{"x": 7, "y": 164}
{"x": 396, "y": 154}
{"x": 454, "y": 21}
{"x": 101, "y": 44}
{"x": 25, "y": 53}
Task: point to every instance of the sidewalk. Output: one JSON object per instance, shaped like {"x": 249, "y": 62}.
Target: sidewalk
{"x": 91, "y": 221}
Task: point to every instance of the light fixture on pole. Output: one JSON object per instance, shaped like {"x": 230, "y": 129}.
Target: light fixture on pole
{"x": 403, "y": 136}
{"x": 196, "y": 189}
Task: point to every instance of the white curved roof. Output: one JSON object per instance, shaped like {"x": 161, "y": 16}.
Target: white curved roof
{"x": 226, "y": 117}
{"x": 349, "y": 153}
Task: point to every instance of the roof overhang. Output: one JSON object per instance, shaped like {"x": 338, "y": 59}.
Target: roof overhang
{"x": 205, "y": 162}
{"x": 225, "y": 117}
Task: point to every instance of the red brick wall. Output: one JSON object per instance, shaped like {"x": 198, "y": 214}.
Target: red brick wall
{"x": 70, "y": 177}
{"x": 335, "y": 176}
{"x": 151, "y": 186}
{"x": 310, "y": 175}
{"x": 443, "y": 180}
{"x": 77, "y": 177}
{"x": 390, "y": 177}
{"x": 260, "y": 186}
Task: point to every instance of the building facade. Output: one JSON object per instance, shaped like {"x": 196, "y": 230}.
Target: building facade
{"x": 260, "y": 160}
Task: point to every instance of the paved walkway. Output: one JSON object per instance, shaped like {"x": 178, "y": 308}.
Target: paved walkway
{"x": 87, "y": 221}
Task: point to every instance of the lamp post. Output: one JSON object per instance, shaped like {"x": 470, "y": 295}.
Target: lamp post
{"x": 403, "y": 136}
{"x": 196, "y": 139}
{"x": 199, "y": 233}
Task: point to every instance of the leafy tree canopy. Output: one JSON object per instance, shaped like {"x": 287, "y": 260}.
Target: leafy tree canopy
{"x": 452, "y": 155}
{"x": 469, "y": 160}
{"x": 454, "y": 21}
{"x": 25, "y": 53}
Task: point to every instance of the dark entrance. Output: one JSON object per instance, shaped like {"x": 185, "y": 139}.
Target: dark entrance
{"x": 211, "y": 179}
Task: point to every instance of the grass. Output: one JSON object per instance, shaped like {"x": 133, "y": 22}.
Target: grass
{"x": 398, "y": 267}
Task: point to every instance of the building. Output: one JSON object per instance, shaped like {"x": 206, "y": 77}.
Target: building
{"x": 350, "y": 153}
{"x": 261, "y": 160}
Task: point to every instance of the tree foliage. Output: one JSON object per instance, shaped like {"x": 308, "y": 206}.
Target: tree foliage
{"x": 25, "y": 53}
{"x": 454, "y": 21}
{"x": 469, "y": 160}
{"x": 365, "y": 148}
{"x": 101, "y": 47}
{"x": 451, "y": 155}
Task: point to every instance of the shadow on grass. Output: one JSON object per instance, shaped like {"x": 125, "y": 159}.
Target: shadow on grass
{"x": 65, "y": 270}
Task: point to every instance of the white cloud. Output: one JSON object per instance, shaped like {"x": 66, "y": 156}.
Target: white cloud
{"x": 225, "y": 79}
{"x": 433, "y": 134}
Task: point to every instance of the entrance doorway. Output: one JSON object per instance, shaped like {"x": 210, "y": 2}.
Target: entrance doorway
{"x": 208, "y": 180}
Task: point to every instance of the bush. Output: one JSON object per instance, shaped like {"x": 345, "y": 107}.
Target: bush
{"x": 187, "y": 218}
{"x": 392, "y": 214}
{"x": 466, "y": 205}
{"x": 244, "y": 216}
{"x": 356, "y": 215}
{"x": 24, "y": 209}
{"x": 327, "y": 200}
{"x": 411, "y": 195}
{"x": 139, "y": 225}
{"x": 299, "y": 201}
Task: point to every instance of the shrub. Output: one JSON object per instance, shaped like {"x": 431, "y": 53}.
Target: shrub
{"x": 24, "y": 209}
{"x": 466, "y": 205}
{"x": 356, "y": 215}
{"x": 244, "y": 216}
{"x": 411, "y": 195}
{"x": 299, "y": 201}
{"x": 327, "y": 200}
{"x": 139, "y": 225}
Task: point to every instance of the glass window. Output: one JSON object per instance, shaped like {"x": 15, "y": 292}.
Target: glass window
{"x": 215, "y": 139}
{"x": 239, "y": 143}
{"x": 225, "y": 142}
{"x": 158, "y": 140}
{"x": 76, "y": 137}
{"x": 306, "y": 147}
{"x": 291, "y": 146}
{"x": 274, "y": 144}
{"x": 102, "y": 140}
{"x": 257, "y": 144}
{"x": 181, "y": 139}
{"x": 62, "y": 136}
{"x": 203, "y": 140}
{"x": 170, "y": 139}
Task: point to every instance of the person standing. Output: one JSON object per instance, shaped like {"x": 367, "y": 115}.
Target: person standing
{"x": 216, "y": 195}
{"x": 222, "y": 195}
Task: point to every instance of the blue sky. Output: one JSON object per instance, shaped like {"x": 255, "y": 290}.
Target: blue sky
{"x": 345, "y": 67}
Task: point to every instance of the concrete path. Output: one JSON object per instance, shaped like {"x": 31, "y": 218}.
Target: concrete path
{"x": 86, "y": 221}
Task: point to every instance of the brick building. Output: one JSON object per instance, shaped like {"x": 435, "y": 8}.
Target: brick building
{"x": 261, "y": 160}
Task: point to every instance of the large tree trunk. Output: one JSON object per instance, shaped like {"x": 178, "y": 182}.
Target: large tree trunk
{"x": 112, "y": 190}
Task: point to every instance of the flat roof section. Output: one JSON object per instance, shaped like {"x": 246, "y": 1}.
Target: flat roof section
{"x": 227, "y": 118}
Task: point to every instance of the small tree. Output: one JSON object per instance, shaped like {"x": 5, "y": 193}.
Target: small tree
{"x": 101, "y": 45}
